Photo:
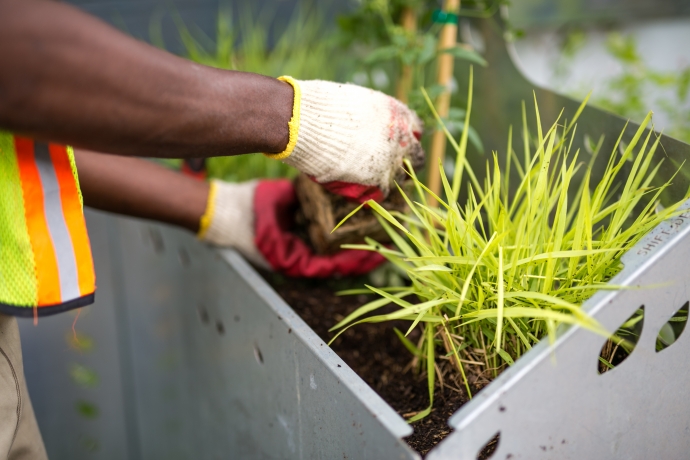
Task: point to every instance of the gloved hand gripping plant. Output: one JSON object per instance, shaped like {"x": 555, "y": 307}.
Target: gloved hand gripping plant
{"x": 337, "y": 127}
{"x": 491, "y": 277}
{"x": 409, "y": 54}
{"x": 353, "y": 141}
{"x": 256, "y": 218}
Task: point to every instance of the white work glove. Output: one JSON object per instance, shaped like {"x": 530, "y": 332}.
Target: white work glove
{"x": 256, "y": 218}
{"x": 351, "y": 139}
{"x": 229, "y": 219}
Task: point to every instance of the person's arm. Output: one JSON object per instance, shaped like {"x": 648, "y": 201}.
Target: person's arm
{"x": 249, "y": 216}
{"x": 140, "y": 188}
{"x": 68, "y": 77}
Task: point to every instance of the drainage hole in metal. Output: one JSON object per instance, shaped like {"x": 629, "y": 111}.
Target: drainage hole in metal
{"x": 203, "y": 314}
{"x": 183, "y": 257}
{"x": 622, "y": 343}
{"x": 490, "y": 447}
{"x": 257, "y": 354}
{"x": 220, "y": 327}
{"x": 673, "y": 328}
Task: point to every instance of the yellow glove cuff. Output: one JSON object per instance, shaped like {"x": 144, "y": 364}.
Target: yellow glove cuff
{"x": 206, "y": 219}
{"x": 293, "y": 124}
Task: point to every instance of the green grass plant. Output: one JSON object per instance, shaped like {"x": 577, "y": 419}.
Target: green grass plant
{"x": 491, "y": 277}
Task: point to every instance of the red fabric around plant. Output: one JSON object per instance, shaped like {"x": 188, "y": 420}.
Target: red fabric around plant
{"x": 275, "y": 203}
{"x": 354, "y": 192}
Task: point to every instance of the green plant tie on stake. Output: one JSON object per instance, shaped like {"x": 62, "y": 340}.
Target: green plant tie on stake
{"x": 444, "y": 17}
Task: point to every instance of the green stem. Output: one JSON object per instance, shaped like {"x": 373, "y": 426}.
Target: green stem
{"x": 457, "y": 357}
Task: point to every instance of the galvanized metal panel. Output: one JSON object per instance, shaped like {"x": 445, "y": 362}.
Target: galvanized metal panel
{"x": 78, "y": 393}
{"x": 223, "y": 368}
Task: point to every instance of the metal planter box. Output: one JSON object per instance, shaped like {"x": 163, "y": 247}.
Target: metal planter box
{"x": 196, "y": 357}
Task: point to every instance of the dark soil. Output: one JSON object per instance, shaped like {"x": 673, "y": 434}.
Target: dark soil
{"x": 375, "y": 353}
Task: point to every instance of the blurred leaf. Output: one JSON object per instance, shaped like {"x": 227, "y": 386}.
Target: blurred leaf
{"x": 435, "y": 90}
{"x": 456, "y": 125}
{"x": 460, "y": 52}
{"x": 399, "y": 40}
{"x": 412, "y": 348}
{"x": 683, "y": 84}
{"x": 384, "y": 53}
{"x": 90, "y": 444}
{"x": 506, "y": 357}
{"x": 83, "y": 376}
{"x": 428, "y": 51}
{"x": 666, "y": 335}
{"x": 457, "y": 114}
{"x": 623, "y": 48}
{"x": 87, "y": 409}
{"x": 408, "y": 57}
{"x": 79, "y": 341}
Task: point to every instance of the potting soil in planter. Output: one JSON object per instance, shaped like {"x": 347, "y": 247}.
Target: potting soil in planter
{"x": 375, "y": 353}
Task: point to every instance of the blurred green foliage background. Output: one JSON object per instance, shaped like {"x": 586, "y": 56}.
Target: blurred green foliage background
{"x": 628, "y": 93}
{"x": 367, "y": 46}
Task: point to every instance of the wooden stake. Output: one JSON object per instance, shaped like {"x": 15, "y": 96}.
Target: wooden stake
{"x": 448, "y": 39}
{"x": 408, "y": 20}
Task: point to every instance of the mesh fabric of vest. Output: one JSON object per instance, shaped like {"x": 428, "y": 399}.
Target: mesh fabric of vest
{"x": 17, "y": 267}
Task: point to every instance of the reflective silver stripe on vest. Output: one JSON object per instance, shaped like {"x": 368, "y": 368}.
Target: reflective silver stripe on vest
{"x": 57, "y": 227}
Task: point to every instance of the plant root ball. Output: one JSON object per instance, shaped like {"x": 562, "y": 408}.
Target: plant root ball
{"x": 320, "y": 211}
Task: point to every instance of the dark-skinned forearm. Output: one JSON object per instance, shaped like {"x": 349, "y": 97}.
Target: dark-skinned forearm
{"x": 68, "y": 77}
{"x": 140, "y": 188}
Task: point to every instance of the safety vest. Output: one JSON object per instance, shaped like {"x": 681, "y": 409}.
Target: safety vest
{"x": 45, "y": 255}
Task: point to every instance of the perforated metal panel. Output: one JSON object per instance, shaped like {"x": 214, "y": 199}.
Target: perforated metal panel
{"x": 553, "y": 404}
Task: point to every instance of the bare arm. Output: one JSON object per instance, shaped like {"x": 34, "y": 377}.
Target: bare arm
{"x": 140, "y": 188}
{"x": 68, "y": 77}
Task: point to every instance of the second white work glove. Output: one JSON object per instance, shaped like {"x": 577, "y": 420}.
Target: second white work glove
{"x": 350, "y": 139}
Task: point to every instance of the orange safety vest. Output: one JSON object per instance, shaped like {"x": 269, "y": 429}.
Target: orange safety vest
{"x": 45, "y": 256}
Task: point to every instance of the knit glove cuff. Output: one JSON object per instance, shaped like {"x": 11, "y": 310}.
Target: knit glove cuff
{"x": 229, "y": 219}
{"x": 343, "y": 133}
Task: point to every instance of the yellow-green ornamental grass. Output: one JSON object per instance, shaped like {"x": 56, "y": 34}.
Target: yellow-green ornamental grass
{"x": 491, "y": 277}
